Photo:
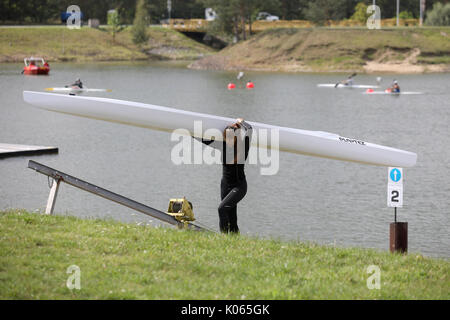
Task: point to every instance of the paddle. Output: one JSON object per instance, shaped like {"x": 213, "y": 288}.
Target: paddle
{"x": 353, "y": 75}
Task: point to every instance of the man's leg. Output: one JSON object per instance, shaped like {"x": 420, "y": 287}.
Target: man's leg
{"x": 228, "y": 208}
{"x": 224, "y": 220}
{"x": 233, "y": 220}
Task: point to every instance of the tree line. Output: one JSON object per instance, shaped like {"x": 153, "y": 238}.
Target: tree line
{"x": 48, "y": 11}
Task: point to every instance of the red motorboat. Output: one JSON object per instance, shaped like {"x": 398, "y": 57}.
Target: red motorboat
{"x": 35, "y": 66}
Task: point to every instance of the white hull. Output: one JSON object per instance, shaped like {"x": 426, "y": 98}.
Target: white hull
{"x": 355, "y": 86}
{"x": 314, "y": 143}
{"x": 75, "y": 90}
{"x": 394, "y": 93}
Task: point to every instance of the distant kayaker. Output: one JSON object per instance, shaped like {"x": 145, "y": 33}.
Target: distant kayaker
{"x": 233, "y": 186}
{"x": 395, "y": 87}
{"x": 349, "y": 81}
{"x": 346, "y": 82}
{"x": 78, "y": 84}
{"x": 240, "y": 78}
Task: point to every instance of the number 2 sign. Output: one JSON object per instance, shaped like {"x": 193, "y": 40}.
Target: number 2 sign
{"x": 395, "y": 196}
{"x": 395, "y": 188}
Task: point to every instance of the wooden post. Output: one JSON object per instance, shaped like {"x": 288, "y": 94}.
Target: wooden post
{"x": 398, "y": 240}
{"x": 52, "y": 197}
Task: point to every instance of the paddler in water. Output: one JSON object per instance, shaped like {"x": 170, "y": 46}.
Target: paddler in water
{"x": 240, "y": 78}
{"x": 395, "y": 88}
{"x": 347, "y": 82}
{"x": 77, "y": 83}
{"x": 233, "y": 186}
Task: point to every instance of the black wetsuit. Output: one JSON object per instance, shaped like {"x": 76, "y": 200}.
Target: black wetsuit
{"x": 233, "y": 186}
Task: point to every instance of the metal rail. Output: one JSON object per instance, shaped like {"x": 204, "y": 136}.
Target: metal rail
{"x": 59, "y": 176}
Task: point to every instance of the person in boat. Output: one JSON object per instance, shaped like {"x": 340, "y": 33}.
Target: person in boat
{"x": 395, "y": 88}
{"x": 349, "y": 81}
{"x": 240, "y": 78}
{"x": 233, "y": 186}
{"x": 77, "y": 83}
{"x": 346, "y": 82}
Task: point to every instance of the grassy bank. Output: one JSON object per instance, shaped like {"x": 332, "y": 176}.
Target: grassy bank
{"x": 338, "y": 50}
{"x": 87, "y": 44}
{"x": 135, "y": 262}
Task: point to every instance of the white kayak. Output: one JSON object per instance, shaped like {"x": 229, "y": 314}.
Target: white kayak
{"x": 76, "y": 90}
{"x": 393, "y": 93}
{"x": 314, "y": 143}
{"x": 341, "y": 85}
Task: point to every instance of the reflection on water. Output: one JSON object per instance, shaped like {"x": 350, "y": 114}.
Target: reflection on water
{"x": 313, "y": 199}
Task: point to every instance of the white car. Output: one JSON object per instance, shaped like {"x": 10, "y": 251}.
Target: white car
{"x": 266, "y": 16}
{"x": 210, "y": 14}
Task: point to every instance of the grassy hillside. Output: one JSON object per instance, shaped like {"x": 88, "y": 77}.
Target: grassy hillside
{"x": 87, "y": 44}
{"x": 142, "y": 262}
{"x": 338, "y": 49}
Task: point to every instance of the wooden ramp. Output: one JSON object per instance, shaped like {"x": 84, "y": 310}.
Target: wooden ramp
{"x": 14, "y": 150}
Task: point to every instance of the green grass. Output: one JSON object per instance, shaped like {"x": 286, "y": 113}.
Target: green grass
{"x": 87, "y": 44}
{"x": 126, "y": 261}
{"x": 333, "y": 49}
{"x": 434, "y": 59}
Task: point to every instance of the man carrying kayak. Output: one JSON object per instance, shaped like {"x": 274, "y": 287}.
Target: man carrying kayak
{"x": 233, "y": 186}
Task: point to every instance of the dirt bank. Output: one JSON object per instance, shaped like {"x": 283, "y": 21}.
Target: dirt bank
{"x": 403, "y": 50}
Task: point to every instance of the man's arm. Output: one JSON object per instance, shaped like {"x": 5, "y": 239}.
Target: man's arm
{"x": 247, "y": 128}
{"x": 248, "y": 131}
{"x": 210, "y": 142}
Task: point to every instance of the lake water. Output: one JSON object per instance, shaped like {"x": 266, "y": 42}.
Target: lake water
{"x": 310, "y": 199}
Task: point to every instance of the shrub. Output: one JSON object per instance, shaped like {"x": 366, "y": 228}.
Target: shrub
{"x": 140, "y": 23}
{"x": 360, "y": 13}
{"x": 439, "y": 15}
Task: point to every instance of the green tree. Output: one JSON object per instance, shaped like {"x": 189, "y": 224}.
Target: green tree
{"x": 360, "y": 13}
{"x": 114, "y": 23}
{"x": 234, "y": 15}
{"x": 321, "y": 11}
{"x": 140, "y": 23}
{"x": 439, "y": 15}
{"x": 405, "y": 15}
{"x": 292, "y": 9}
{"x": 187, "y": 9}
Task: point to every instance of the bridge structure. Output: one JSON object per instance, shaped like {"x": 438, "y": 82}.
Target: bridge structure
{"x": 201, "y": 25}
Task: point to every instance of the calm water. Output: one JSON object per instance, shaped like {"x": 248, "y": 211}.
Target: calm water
{"x": 310, "y": 199}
